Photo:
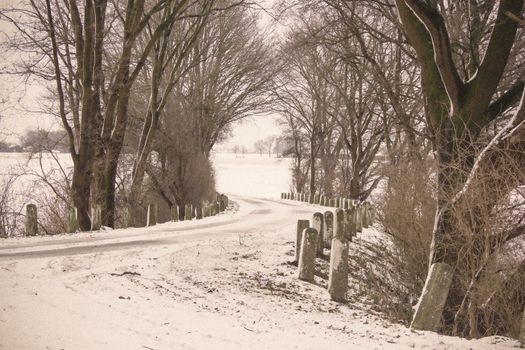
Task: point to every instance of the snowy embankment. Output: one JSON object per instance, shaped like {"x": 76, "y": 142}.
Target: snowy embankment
{"x": 219, "y": 283}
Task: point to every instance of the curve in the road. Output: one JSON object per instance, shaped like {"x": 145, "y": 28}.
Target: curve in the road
{"x": 254, "y": 215}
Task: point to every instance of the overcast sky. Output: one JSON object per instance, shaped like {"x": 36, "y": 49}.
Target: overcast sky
{"x": 19, "y": 103}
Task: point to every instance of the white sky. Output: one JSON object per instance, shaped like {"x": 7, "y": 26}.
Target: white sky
{"x": 19, "y": 101}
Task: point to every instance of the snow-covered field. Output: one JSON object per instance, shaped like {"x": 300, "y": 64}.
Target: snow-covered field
{"x": 220, "y": 283}
{"x": 252, "y": 174}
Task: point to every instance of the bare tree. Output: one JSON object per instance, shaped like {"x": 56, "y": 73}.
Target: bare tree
{"x": 461, "y": 107}
{"x": 259, "y": 146}
{"x": 302, "y": 95}
{"x": 227, "y": 76}
{"x": 95, "y": 60}
{"x": 167, "y": 64}
{"x": 269, "y": 142}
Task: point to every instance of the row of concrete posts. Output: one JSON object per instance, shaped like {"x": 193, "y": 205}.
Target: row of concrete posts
{"x": 332, "y": 230}
{"x": 190, "y": 212}
{"x": 198, "y": 212}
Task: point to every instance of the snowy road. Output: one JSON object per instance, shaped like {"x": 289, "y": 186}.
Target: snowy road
{"x": 220, "y": 283}
{"x": 249, "y": 216}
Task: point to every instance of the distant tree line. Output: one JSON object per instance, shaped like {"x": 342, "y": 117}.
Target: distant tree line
{"x": 38, "y": 140}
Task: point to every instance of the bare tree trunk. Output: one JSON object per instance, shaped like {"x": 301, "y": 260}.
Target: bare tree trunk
{"x": 456, "y": 132}
{"x": 312, "y": 166}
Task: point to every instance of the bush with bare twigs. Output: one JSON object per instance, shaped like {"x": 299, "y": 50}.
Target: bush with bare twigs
{"x": 10, "y": 213}
{"x": 393, "y": 270}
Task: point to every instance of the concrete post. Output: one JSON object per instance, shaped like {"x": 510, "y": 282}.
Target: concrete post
{"x": 127, "y": 217}
{"x": 365, "y": 214}
{"x": 359, "y": 218}
{"x": 198, "y": 212}
{"x": 307, "y": 255}
{"x": 317, "y": 224}
{"x": 222, "y": 203}
{"x": 328, "y": 228}
{"x": 174, "y": 211}
{"x": 301, "y": 226}
{"x": 351, "y": 221}
{"x": 152, "y": 214}
{"x": 187, "y": 212}
{"x": 338, "y": 276}
{"x": 339, "y": 220}
{"x": 432, "y": 301}
{"x": 96, "y": 217}
{"x": 72, "y": 223}
{"x": 31, "y": 220}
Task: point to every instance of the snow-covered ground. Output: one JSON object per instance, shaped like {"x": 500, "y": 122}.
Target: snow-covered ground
{"x": 220, "y": 283}
{"x": 252, "y": 174}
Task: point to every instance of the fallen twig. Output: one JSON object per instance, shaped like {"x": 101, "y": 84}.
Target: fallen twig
{"x": 125, "y": 273}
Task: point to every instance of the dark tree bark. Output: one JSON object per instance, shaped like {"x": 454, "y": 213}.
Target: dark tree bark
{"x": 457, "y": 113}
